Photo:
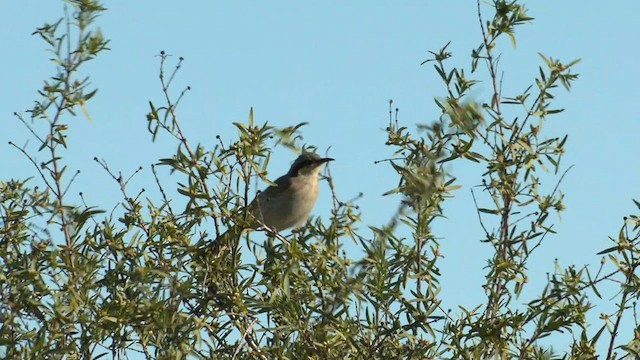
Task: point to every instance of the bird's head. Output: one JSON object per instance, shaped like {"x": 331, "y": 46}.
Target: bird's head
{"x": 307, "y": 163}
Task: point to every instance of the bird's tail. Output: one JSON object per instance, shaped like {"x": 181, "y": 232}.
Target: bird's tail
{"x": 227, "y": 240}
{"x": 218, "y": 259}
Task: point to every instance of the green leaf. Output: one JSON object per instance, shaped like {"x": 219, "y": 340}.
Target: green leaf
{"x": 489, "y": 211}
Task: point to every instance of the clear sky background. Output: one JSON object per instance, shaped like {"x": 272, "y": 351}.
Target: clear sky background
{"x": 335, "y": 65}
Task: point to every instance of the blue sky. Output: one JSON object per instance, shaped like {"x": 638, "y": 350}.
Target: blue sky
{"x": 336, "y": 65}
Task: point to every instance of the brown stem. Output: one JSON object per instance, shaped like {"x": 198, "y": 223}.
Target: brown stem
{"x": 623, "y": 300}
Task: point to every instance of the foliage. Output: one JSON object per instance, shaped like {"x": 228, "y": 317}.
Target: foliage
{"x": 150, "y": 278}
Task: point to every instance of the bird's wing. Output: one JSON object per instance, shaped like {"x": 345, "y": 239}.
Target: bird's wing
{"x": 283, "y": 183}
{"x": 265, "y": 198}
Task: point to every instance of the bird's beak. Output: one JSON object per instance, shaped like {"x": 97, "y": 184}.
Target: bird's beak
{"x": 325, "y": 160}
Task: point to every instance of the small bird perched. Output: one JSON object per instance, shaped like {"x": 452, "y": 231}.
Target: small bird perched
{"x": 284, "y": 205}
{"x": 288, "y": 203}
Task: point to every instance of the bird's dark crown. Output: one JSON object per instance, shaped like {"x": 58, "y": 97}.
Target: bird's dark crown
{"x": 306, "y": 159}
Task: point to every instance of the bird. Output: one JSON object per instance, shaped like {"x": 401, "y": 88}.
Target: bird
{"x": 286, "y": 204}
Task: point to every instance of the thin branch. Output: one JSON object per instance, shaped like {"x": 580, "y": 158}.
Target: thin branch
{"x": 35, "y": 165}
{"x": 626, "y": 290}
{"x": 164, "y": 195}
{"x": 475, "y": 202}
{"x": 30, "y": 128}
{"x": 70, "y": 182}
